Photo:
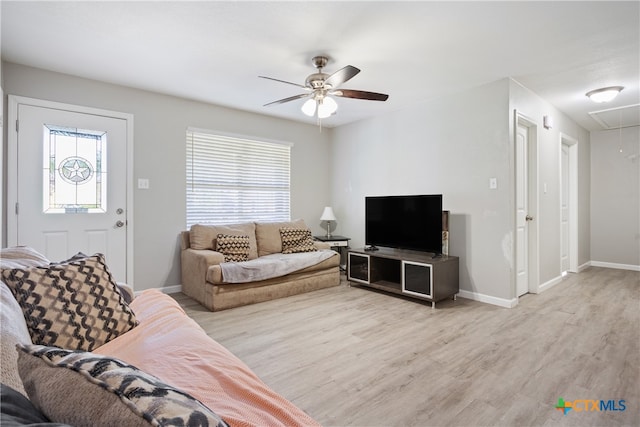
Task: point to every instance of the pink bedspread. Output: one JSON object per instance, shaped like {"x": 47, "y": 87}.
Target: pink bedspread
{"x": 173, "y": 347}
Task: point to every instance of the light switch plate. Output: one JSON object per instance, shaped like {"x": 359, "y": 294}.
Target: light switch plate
{"x": 143, "y": 184}
{"x": 493, "y": 183}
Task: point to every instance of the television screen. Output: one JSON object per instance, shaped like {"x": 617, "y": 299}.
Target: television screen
{"x": 404, "y": 222}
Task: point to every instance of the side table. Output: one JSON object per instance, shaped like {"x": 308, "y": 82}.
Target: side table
{"x": 337, "y": 244}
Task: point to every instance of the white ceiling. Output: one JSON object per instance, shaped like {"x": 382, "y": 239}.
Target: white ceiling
{"x": 213, "y": 51}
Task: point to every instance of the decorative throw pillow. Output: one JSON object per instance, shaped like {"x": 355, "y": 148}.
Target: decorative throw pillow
{"x": 296, "y": 240}
{"x": 76, "y": 257}
{"x": 81, "y": 388}
{"x": 268, "y": 236}
{"x": 74, "y": 305}
{"x": 234, "y": 248}
{"x": 205, "y": 236}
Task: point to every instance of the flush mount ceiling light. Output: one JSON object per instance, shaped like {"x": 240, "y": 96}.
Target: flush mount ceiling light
{"x": 604, "y": 94}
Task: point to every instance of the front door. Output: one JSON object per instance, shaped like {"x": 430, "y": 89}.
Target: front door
{"x": 69, "y": 183}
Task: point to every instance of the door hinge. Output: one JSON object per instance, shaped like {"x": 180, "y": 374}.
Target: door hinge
{"x": 17, "y": 125}
{"x": 17, "y": 208}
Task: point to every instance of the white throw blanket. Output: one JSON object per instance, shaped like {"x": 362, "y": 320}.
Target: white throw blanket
{"x": 269, "y": 266}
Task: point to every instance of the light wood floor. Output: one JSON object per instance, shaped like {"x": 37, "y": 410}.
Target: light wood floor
{"x": 351, "y": 356}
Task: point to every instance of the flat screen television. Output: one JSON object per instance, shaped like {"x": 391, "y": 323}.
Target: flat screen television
{"x": 404, "y": 222}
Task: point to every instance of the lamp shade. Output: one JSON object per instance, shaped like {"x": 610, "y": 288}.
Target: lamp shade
{"x": 327, "y": 214}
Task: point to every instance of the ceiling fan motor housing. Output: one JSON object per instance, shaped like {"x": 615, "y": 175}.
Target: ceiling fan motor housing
{"x": 316, "y": 80}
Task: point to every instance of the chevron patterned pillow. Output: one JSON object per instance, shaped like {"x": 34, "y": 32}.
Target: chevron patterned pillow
{"x": 296, "y": 240}
{"x": 88, "y": 389}
{"x": 234, "y": 248}
{"x": 74, "y": 305}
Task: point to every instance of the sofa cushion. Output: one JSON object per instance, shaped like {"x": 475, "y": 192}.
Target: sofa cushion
{"x": 73, "y": 305}
{"x": 295, "y": 240}
{"x": 215, "y": 276}
{"x": 204, "y": 236}
{"x": 14, "y": 331}
{"x": 234, "y": 248}
{"x": 82, "y": 388}
{"x": 268, "y": 235}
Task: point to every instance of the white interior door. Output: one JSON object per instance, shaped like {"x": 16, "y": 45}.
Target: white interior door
{"x": 522, "y": 210}
{"x": 569, "y": 203}
{"x": 69, "y": 184}
{"x": 564, "y": 211}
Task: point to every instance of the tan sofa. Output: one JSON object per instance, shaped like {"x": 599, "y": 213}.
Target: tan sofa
{"x": 202, "y": 277}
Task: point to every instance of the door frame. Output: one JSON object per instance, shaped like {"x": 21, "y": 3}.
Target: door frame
{"x": 12, "y": 165}
{"x": 572, "y": 145}
{"x": 533, "y": 195}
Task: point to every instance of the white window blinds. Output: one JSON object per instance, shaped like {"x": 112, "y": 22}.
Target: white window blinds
{"x": 231, "y": 180}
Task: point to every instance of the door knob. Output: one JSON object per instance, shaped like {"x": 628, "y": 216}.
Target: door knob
{"x": 119, "y": 224}
{"x": 528, "y": 218}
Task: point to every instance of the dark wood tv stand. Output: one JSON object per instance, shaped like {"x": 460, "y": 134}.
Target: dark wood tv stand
{"x": 411, "y": 273}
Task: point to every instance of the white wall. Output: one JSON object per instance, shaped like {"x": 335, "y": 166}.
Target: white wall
{"x": 160, "y": 123}
{"x": 450, "y": 146}
{"x": 2, "y": 168}
{"x": 453, "y": 146}
{"x": 615, "y": 198}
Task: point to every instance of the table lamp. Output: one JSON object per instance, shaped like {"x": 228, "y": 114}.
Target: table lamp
{"x": 328, "y": 215}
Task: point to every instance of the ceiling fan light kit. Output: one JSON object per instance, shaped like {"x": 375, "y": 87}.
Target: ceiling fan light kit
{"x": 604, "y": 94}
{"x": 324, "y": 106}
{"x": 320, "y": 85}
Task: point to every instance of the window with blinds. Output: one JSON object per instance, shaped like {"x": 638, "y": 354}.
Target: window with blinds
{"x": 231, "y": 179}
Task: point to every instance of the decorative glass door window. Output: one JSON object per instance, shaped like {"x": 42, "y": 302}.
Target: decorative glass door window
{"x": 75, "y": 170}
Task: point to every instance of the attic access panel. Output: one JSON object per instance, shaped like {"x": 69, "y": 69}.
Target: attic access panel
{"x": 613, "y": 118}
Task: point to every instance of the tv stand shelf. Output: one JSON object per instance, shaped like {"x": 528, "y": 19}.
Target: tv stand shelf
{"x": 411, "y": 273}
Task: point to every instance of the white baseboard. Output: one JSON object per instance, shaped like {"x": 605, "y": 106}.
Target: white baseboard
{"x": 584, "y": 266}
{"x": 615, "y": 265}
{"x": 502, "y": 302}
{"x": 171, "y": 289}
{"x": 166, "y": 290}
{"x": 549, "y": 284}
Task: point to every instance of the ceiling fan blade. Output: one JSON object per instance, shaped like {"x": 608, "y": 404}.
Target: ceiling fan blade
{"x": 283, "y": 81}
{"x": 360, "y": 94}
{"x": 341, "y": 76}
{"x": 291, "y": 98}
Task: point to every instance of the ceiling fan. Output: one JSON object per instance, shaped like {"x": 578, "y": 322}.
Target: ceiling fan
{"x": 319, "y": 86}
